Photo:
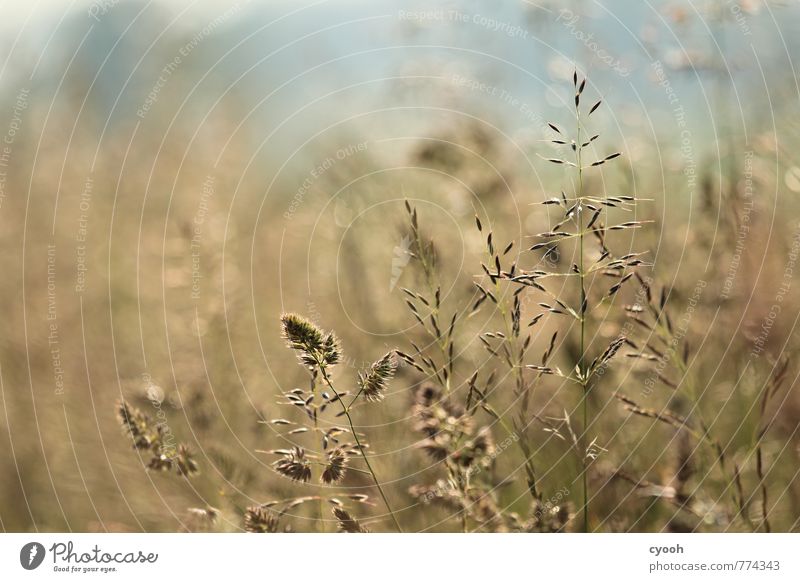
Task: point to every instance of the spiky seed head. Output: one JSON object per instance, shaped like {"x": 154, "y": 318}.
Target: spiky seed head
{"x": 331, "y": 352}
{"x": 481, "y": 449}
{"x": 314, "y": 346}
{"x": 294, "y": 465}
{"x": 185, "y": 464}
{"x": 300, "y": 332}
{"x": 427, "y": 394}
{"x": 373, "y": 382}
{"x": 336, "y": 467}
{"x": 347, "y": 523}
{"x": 136, "y": 424}
{"x": 435, "y": 447}
{"x": 260, "y": 520}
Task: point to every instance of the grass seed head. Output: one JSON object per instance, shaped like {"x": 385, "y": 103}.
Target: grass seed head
{"x": 373, "y": 381}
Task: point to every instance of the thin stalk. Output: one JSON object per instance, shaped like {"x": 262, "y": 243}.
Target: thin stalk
{"x": 346, "y": 411}
{"x": 430, "y": 283}
{"x": 582, "y": 311}
{"x": 521, "y": 385}
{"x": 320, "y": 506}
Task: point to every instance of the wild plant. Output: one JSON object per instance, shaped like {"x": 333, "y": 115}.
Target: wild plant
{"x": 447, "y": 427}
{"x": 156, "y": 440}
{"x": 509, "y": 347}
{"x": 667, "y": 354}
{"x": 539, "y": 311}
{"x": 581, "y": 220}
{"x": 448, "y": 402}
{"x": 319, "y": 352}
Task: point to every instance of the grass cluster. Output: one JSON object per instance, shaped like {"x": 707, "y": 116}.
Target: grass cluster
{"x": 517, "y": 382}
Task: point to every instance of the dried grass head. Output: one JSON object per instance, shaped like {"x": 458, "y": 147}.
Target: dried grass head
{"x": 374, "y": 380}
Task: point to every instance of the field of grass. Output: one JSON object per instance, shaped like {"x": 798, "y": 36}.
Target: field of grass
{"x": 348, "y": 268}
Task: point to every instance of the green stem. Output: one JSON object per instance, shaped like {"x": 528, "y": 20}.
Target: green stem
{"x": 585, "y": 467}
{"x": 582, "y": 311}
{"x": 328, "y": 382}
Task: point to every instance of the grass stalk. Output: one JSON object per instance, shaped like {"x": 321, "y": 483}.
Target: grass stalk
{"x": 582, "y": 357}
{"x": 346, "y": 411}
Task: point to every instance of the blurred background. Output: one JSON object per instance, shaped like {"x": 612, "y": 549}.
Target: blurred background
{"x": 176, "y": 174}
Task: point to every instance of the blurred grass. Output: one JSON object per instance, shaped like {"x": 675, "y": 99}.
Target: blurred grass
{"x": 64, "y": 464}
